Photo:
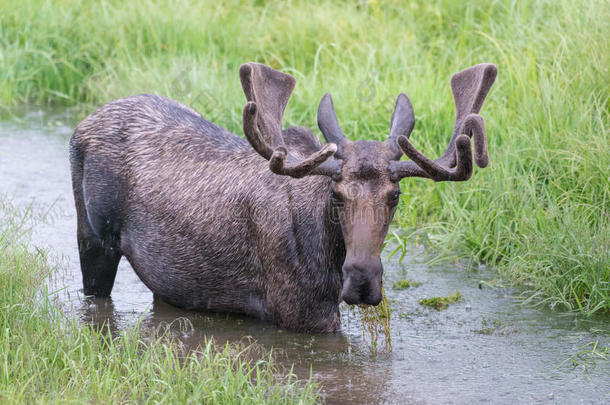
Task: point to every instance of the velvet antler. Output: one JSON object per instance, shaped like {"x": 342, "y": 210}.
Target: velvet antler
{"x": 267, "y": 91}
{"x": 469, "y": 87}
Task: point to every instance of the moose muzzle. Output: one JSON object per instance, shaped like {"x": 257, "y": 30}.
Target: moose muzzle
{"x": 362, "y": 281}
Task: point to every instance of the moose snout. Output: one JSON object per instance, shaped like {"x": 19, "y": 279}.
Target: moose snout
{"x": 362, "y": 281}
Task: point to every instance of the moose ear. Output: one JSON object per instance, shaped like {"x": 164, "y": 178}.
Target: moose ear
{"x": 327, "y": 122}
{"x": 270, "y": 90}
{"x": 470, "y": 87}
{"x": 402, "y": 123}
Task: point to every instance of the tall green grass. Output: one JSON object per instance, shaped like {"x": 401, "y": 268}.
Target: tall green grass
{"x": 46, "y": 358}
{"x": 540, "y": 212}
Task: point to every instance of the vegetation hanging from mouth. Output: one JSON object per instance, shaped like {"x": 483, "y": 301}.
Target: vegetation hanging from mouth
{"x": 376, "y": 323}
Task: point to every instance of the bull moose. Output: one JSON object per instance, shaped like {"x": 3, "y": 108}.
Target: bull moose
{"x": 278, "y": 225}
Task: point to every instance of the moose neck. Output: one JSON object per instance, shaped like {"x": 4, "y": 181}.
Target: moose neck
{"x": 332, "y": 234}
{"x": 330, "y": 238}
{"x": 320, "y": 247}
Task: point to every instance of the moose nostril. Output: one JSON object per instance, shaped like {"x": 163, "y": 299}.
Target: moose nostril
{"x": 373, "y": 298}
{"x": 348, "y": 293}
{"x": 374, "y": 301}
{"x": 364, "y": 292}
{"x": 370, "y": 293}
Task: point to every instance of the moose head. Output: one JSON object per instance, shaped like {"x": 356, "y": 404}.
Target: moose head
{"x": 365, "y": 175}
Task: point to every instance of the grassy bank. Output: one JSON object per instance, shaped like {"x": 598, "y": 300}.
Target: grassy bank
{"x": 46, "y": 358}
{"x": 541, "y": 211}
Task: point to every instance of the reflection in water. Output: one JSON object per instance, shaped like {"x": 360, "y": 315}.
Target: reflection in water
{"x": 486, "y": 347}
{"x": 99, "y": 313}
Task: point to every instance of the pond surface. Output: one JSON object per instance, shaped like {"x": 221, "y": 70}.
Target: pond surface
{"x": 485, "y": 348}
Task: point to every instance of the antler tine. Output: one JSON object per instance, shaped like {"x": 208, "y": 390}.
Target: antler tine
{"x": 278, "y": 164}
{"x": 435, "y": 171}
{"x": 268, "y": 91}
{"x": 470, "y": 87}
{"x": 250, "y": 125}
{"x": 475, "y": 126}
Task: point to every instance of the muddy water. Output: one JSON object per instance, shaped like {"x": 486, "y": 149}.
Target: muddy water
{"x": 487, "y": 347}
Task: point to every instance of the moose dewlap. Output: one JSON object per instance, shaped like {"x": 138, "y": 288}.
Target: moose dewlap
{"x": 278, "y": 226}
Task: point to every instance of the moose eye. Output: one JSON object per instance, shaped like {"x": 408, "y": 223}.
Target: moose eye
{"x": 394, "y": 196}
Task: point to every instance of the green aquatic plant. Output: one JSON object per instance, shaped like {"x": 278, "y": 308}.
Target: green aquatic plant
{"x": 404, "y": 283}
{"x": 440, "y": 303}
{"x": 493, "y": 327}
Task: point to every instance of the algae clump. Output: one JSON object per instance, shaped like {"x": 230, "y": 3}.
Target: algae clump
{"x": 403, "y": 284}
{"x": 440, "y": 303}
